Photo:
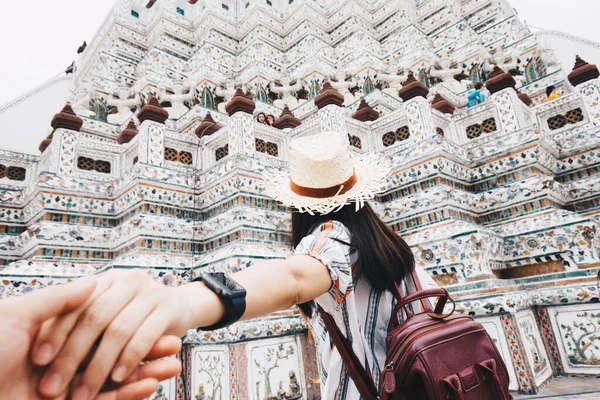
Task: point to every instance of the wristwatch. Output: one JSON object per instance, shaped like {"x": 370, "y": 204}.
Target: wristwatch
{"x": 231, "y": 293}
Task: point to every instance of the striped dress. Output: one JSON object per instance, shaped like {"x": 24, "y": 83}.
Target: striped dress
{"x": 363, "y": 314}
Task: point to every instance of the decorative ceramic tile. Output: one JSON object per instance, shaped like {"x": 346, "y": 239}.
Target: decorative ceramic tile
{"x": 550, "y": 340}
{"x": 534, "y": 348}
{"x": 576, "y": 330}
{"x": 493, "y": 326}
{"x": 519, "y": 358}
{"x": 167, "y": 390}
{"x": 210, "y": 373}
{"x": 275, "y": 369}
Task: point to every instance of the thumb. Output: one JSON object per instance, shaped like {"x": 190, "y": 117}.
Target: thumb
{"x": 44, "y": 304}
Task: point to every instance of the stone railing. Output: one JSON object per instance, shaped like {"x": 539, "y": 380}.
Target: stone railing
{"x": 561, "y": 114}
{"x": 477, "y": 121}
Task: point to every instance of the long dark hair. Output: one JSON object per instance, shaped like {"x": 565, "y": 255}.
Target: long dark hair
{"x": 383, "y": 256}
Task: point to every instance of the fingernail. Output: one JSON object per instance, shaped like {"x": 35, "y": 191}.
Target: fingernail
{"x": 119, "y": 374}
{"x": 44, "y": 354}
{"x": 81, "y": 393}
{"x": 52, "y": 384}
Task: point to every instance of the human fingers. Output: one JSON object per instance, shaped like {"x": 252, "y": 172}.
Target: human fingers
{"x": 40, "y": 305}
{"x": 94, "y": 320}
{"x": 139, "y": 346}
{"x": 156, "y": 366}
{"x": 161, "y": 370}
{"x": 134, "y": 391}
{"x": 166, "y": 346}
{"x": 53, "y": 333}
{"x": 114, "y": 339}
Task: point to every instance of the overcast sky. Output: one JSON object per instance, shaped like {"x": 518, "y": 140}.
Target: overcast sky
{"x": 40, "y": 37}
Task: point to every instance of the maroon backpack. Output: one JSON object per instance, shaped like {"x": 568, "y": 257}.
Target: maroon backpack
{"x": 430, "y": 356}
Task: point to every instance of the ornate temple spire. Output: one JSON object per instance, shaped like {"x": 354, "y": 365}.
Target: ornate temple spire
{"x": 365, "y": 112}
{"x": 329, "y": 96}
{"x": 442, "y": 104}
{"x": 412, "y": 88}
{"x": 65, "y": 119}
{"x": 500, "y": 80}
{"x": 582, "y": 72}
{"x": 208, "y": 126}
{"x": 128, "y": 133}
{"x": 287, "y": 120}
{"x": 153, "y": 112}
{"x": 240, "y": 103}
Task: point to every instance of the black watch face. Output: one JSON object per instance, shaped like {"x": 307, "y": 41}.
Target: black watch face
{"x": 224, "y": 281}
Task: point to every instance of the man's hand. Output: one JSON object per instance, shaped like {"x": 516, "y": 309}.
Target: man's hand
{"x": 21, "y": 317}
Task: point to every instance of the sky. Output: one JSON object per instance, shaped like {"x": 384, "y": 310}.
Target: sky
{"x": 40, "y": 37}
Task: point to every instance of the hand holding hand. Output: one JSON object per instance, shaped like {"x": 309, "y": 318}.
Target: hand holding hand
{"x": 21, "y": 317}
{"x": 129, "y": 311}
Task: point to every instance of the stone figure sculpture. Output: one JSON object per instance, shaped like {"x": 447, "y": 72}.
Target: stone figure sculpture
{"x": 182, "y": 92}
{"x": 343, "y": 86}
{"x": 123, "y": 101}
{"x": 286, "y": 91}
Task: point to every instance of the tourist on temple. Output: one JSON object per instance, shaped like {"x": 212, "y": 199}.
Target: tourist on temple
{"x": 261, "y": 118}
{"x": 270, "y": 120}
{"x": 552, "y": 93}
{"x": 477, "y": 96}
{"x": 346, "y": 265}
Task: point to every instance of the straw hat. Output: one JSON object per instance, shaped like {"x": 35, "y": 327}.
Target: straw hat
{"x": 324, "y": 175}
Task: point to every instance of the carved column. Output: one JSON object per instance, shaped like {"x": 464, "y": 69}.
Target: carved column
{"x": 585, "y": 78}
{"x": 510, "y": 108}
{"x": 152, "y": 133}
{"x": 63, "y": 147}
{"x": 61, "y": 143}
{"x": 240, "y": 135}
{"x": 417, "y": 109}
{"x": 590, "y": 93}
{"x": 241, "y": 124}
{"x": 331, "y": 113}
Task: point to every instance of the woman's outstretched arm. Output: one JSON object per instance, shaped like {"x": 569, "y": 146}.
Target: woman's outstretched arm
{"x": 271, "y": 286}
{"x": 130, "y": 311}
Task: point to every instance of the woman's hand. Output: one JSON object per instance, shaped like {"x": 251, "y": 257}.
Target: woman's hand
{"x": 129, "y": 312}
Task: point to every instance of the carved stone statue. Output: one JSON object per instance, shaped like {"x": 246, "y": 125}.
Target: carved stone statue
{"x": 82, "y": 106}
{"x": 178, "y": 99}
{"x": 507, "y": 63}
{"x": 447, "y": 74}
{"x": 285, "y": 91}
{"x": 548, "y": 57}
{"x": 124, "y": 103}
{"x": 393, "y": 80}
{"x": 500, "y": 58}
{"x": 343, "y": 86}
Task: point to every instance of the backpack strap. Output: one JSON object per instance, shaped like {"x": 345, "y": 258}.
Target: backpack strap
{"x": 426, "y": 307}
{"x": 357, "y": 372}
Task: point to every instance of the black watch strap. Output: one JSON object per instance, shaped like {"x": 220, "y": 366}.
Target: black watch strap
{"x": 234, "y": 310}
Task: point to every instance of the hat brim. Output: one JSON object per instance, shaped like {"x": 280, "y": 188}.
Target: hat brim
{"x": 372, "y": 171}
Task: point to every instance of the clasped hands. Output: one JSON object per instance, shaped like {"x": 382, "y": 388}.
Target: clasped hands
{"x": 97, "y": 338}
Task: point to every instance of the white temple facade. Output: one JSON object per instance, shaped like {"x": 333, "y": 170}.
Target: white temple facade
{"x": 157, "y": 163}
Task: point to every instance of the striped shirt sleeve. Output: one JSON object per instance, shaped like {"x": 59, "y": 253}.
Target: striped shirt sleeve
{"x": 325, "y": 244}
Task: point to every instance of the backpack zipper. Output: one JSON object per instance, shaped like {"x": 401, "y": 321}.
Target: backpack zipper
{"x": 390, "y": 368}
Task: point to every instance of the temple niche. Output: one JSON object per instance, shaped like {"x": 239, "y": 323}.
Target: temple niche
{"x": 154, "y": 159}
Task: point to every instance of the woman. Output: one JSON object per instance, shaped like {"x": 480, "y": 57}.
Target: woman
{"x": 345, "y": 261}
{"x": 551, "y": 93}
{"x": 270, "y": 120}
{"x": 261, "y": 118}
